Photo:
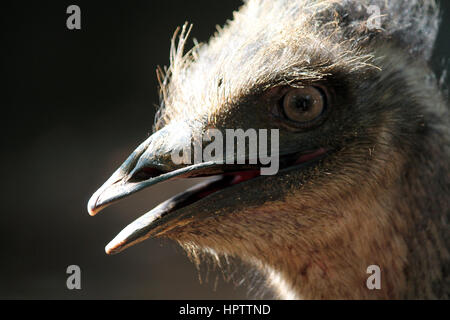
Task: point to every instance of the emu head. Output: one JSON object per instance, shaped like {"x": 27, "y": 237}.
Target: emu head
{"x": 363, "y": 148}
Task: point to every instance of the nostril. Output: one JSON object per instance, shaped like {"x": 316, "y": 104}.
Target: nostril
{"x": 145, "y": 174}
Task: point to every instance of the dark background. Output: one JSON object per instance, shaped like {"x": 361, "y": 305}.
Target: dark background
{"x": 75, "y": 104}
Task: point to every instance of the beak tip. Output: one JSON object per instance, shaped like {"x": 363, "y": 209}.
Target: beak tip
{"x": 91, "y": 207}
{"x": 94, "y": 206}
{"x": 108, "y": 251}
{"x": 113, "y": 248}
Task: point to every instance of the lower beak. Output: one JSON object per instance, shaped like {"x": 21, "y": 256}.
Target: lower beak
{"x": 154, "y": 223}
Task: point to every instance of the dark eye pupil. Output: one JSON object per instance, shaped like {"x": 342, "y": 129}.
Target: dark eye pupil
{"x": 302, "y": 103}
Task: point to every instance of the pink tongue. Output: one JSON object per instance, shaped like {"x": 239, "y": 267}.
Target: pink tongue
{"x": 310, "y": 156}
{"x": 238, "y": 177}
{"x": 244, "y": 176}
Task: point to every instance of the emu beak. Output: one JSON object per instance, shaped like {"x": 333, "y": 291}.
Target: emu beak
{"x": 152, "y": 163}
{"x": 151, "y": 154}
{"x": 149, "y": 164}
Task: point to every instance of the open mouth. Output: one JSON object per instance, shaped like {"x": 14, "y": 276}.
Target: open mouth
{"x": 156, "y": 221}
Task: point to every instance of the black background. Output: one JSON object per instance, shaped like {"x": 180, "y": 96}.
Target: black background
{"x": 75, "y": 104}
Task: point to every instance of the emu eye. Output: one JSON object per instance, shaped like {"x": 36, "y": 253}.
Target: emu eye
{"x": 303, "y": 105}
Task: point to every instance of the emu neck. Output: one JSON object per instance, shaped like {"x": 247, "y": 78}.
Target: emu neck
{"x": 395, "y": 223}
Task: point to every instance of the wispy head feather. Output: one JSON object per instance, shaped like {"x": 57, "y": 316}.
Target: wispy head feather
{"x": 272, "y": 42}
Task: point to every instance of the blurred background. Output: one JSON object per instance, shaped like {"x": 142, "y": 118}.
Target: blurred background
{"x": 75, "y": 104}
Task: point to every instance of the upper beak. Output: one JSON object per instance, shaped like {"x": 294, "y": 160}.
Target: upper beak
{"x": 149, "y": 164}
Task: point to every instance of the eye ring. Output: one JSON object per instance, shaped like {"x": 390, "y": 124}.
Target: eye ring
{"x": 304, "y": 105}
